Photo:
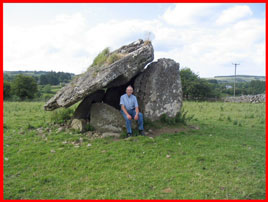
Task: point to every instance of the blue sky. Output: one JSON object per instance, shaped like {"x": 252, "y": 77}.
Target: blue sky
{"x": 205, "y": 37}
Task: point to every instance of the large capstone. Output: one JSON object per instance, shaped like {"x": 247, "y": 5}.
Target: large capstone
{"x": 133, "y": 58}
{"x": 158, "y": 89}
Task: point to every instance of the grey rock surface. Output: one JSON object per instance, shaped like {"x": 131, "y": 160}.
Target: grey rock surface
{"x": 79, "y": 124}
{"x": 135, "y": 56}
{"x": 105, "y": 118}
{"x": 158, "y": 89}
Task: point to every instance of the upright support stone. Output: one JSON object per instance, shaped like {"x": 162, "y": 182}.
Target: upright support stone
{"x": 158, "y": 89}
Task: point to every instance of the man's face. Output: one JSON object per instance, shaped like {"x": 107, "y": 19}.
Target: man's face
{"x": 129, "y": 91}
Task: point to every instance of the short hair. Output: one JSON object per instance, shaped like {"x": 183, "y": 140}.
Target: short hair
{"x": 129, "y": 86}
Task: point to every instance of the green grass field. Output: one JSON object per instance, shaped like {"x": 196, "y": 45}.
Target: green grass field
{"x": 223, "y": 159}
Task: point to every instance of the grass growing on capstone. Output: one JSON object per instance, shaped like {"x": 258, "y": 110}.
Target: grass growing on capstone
{"x": 221, "y": 160}
{"x": 105, "y": 57}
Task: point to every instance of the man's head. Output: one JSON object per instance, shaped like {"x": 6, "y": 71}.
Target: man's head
{"x": 129, "y": 90}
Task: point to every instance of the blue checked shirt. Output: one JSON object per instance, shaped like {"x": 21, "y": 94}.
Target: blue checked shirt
{"x": 129, "y": 102}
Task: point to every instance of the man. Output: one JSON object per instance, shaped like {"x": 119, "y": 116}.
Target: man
{"x": 130, "y": 110}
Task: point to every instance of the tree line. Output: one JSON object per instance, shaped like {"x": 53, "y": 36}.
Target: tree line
{"x": 196, "y": 88}
{"x": 26, "y": 87}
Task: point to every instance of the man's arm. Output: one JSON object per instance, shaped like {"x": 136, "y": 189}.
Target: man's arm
{"x": 137, "y": 113}
{"x": 125, "y": 111}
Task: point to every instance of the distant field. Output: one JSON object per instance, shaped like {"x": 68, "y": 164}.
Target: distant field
{"x": 221, "y": 157}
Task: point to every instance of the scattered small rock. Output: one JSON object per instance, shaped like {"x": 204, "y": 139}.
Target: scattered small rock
{"x": 60, "y": 129}
{"x": 81, "y": 140}
{"x": 168, "y": 156}
{"x": 89, "y": 145}
{"x": 40, "y": 130}
{"x": 6, "y": 159}
{"x": 167, "y": 190}
{"x": 194, "y": 127}
{"x": 21, "y": 132}
{"x": 109, "y": 134}
{"x": 52, "y": 151}
{"x": 89, "y": 133}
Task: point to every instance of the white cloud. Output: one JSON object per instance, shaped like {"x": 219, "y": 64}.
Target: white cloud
{"x": 185, "y": 14}
{"x": 233, "y": 14}
{"x": 69, "y": 44}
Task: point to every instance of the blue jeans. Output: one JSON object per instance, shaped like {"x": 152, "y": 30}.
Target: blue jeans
{"x": 132, "y": 113}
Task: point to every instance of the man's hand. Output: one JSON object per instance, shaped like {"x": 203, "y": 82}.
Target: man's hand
{"x": 129, "y": 117}
{"x": 136, "y": 117}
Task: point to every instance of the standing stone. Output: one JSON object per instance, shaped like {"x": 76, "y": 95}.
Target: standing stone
{"x": 158, "y": 89}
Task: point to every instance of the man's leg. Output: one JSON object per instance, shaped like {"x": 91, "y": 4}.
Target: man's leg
{"x": 128, "y": 122}
{"x": 140, "y": 120}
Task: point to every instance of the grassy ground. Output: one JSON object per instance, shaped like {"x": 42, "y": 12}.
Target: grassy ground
{"x": 222, "y": 158}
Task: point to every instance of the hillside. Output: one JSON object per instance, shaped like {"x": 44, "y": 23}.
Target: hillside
{"x": 29, "y": 73}
{"x": 239, "y": 78}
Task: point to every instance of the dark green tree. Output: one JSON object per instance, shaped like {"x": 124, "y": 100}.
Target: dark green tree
{"x": 195, "y": 88}
{"x": 187, "y": 80}
{"x": 24, "y": 86}
{"x": 256, "y": 87}
{"x": 7, "y": 89}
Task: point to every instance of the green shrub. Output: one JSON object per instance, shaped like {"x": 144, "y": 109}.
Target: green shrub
{"x": 181, "y": 117}
{"x": 61, "y": 115}
{"x": 251, "y": 116}
{"x": 29, "y": 126}
{"x": 89, "y": 127}
{"x": 150, "y": 124}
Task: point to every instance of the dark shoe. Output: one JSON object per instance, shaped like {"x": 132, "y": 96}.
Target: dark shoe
{"x": 129, "y": 135}
{"x": 141, "y": 132}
